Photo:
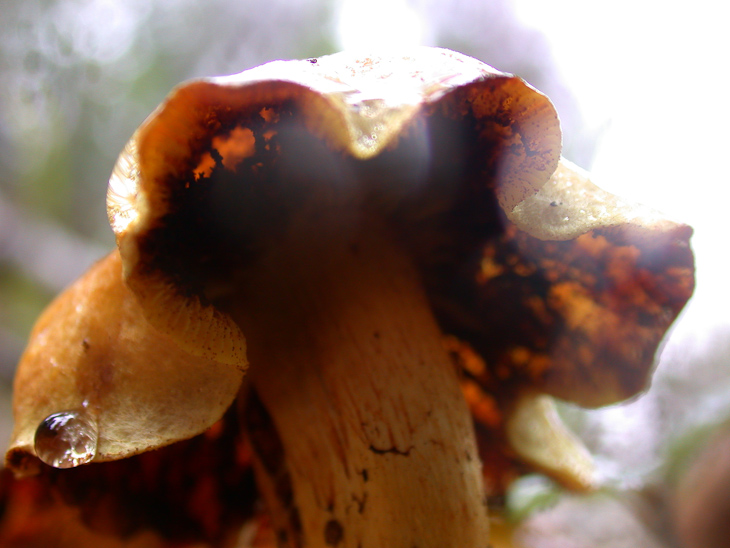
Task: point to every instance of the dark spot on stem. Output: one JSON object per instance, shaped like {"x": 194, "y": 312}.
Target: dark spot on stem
{"x": 333, "y": 533}
{"x": 392, "y": 450}
{"x": 360, "y": 501}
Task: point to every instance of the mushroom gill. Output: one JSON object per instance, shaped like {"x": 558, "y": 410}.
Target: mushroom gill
{"x": 323, "y": 223}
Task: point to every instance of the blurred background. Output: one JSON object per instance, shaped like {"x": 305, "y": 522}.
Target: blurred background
{"x": 640, "y": 86}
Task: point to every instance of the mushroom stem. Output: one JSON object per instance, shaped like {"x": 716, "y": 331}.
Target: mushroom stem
{"x": 347, "y": 359}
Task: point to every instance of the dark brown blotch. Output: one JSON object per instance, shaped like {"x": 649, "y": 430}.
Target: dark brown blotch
{"x": 333, "y": 533}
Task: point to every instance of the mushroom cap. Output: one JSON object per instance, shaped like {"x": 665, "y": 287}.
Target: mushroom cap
{"x": 555, "y": 282}
{"x": 561, "y": 288}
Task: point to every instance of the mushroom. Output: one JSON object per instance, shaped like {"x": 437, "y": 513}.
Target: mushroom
{"x": 319, "y": 225}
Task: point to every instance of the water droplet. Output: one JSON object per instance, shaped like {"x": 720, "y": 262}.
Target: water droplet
{"x": 67, "y": 439}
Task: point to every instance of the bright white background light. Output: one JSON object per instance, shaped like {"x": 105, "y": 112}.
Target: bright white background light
{"x": 378, "y": 24}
